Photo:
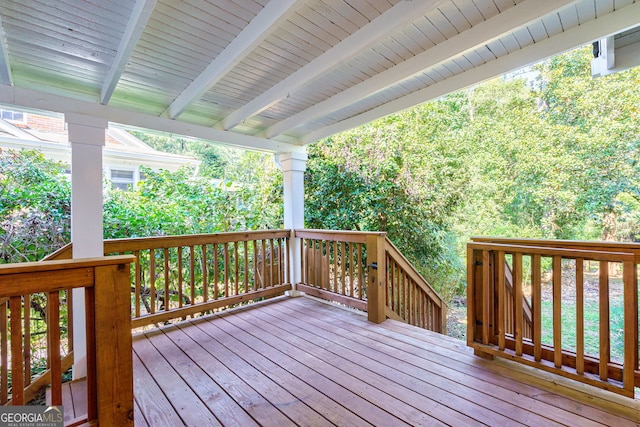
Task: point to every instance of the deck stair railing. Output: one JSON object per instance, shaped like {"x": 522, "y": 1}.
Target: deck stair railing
{"x": 497, "y": 328}
{"x": 108, "y": 349}
{"x": 364, "y": 270}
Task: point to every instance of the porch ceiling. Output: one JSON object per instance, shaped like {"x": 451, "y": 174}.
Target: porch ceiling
{"x": 275, "y": 75}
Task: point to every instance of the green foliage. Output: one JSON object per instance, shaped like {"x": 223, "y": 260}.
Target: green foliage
{"x": 379, "y": 178}
{"x": 35, "y": 206}
{"x": 177, "y": 203}
{"x": 556, "y": 159}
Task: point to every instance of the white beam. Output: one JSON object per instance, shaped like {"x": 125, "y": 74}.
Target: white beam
{"x": 614, "y": 22}
{"x": 398, "y": 16}
{"x": 487, "y": 31}
{"x": 139, "y": 16}
{"x": 5, "y": 66}
{"x": 260, "y": 27}
{"x": 46, "y": 101}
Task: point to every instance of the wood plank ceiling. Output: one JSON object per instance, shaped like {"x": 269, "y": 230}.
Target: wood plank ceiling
{"x": 275, "y": 74}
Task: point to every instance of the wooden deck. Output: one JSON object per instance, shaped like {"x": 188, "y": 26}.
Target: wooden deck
{"x": 297, "y": 361}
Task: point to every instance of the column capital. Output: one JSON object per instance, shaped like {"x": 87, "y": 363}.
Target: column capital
{"x": 85, "y": 129}
{"x": 292, "y": 161}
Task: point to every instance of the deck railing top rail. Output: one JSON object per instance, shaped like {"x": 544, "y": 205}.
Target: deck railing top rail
{"x": 626, "y": 247}
{"x": 23, "y": 268}
{"x": 337, "y": 235}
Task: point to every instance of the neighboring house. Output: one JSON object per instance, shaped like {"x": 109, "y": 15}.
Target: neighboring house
{"x": 123, "y": 153}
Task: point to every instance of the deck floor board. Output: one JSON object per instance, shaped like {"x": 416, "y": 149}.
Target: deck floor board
{"x": 451, "y": 359}
{"x": 297, "y": 361}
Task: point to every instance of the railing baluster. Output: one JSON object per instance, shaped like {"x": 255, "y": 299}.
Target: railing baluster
{"x": 152, "y": 280}
{"x": 246, "y": 265}
{"x": 325, "y": 284}
{"x": 486, "y": 296}
{"x": 27, "y": 340}
{"x": 518, "y": 300}
{"x": 236, "y": 267}
{"x": 264, "y": 264}
{"x": 335, "y": 267}
{"x": 305, "y": 261}
{"x": 17, "y": 367}
{"x": 271, "y": 259}
{"x": 630, "y": 296}
{"x": 4, "y": 353}
{"x": 351, "y": 261}
{"x": 226, "y": 270}
{"x": 580, "y": 316}
{"x": 604, "y": 320}
{"x": 138, "y": 280}
{"x": 167, "y": 298}
{"x": 501, "y": 300}
{"x": 69, "y": 320}
{"x": 536, "y": 305}
{"x": 343, "y": 266}
{"x": 255, "y": 263}
{"x": 216, "y": 272}
{"x": 288, "y": 261}
{"x": 180, "y": 277}
{"x": 192, "y": 273}
{"x": 53, "y": 345}
{"x": 205, "y": 274}
{"x": 360, "y": 272}
{"x": 557, "y": 311}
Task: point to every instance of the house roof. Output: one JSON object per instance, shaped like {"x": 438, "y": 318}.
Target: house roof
{"x": 276, "y": 75}
{"x": 48, "y": 134}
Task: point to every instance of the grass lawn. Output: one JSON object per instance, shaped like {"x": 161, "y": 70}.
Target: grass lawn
{"x": 591, "y": 319}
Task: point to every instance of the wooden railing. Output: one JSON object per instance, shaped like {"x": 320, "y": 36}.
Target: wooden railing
{"x": 497, "y": 327}
{"x": 178, "y": 276}
{"x": 409, "y": 297}
{"x": 364, "y": 270}
{"x": 109, "y": 359}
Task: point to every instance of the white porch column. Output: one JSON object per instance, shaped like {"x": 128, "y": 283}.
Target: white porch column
{"x": 293, "y": 166}
{"x": 87, "y": 137}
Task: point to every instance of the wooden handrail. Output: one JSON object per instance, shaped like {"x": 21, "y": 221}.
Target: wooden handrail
{"x": 109, "y": 358}
{"x": 488, "y": 321}
{"x": 601, "y": 246}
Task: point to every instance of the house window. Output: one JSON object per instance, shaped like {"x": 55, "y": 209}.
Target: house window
{"x": 122, "y": 179}
{"x": 13, "y": 116}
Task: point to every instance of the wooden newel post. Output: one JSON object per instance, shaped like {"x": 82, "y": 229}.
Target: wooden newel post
{"x": 377, "y": 278}
{"x": 114, "y": 360}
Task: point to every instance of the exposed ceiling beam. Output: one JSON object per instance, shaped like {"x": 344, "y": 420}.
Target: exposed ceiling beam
{"x": 399, "y": 15}
{"x": 611, "y": 23}
{"x": 45, "y": 101}
{"x": 139, "y": 16}
{"x": 260, "y": 27}
{"x": 5, "y": 66}
{"x": 477, "y": 36}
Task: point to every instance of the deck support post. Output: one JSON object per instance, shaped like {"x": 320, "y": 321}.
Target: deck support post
{"x": 293, "y": 166}
{"x": 87, "y": 137}
{"x": 377, "y": 283}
